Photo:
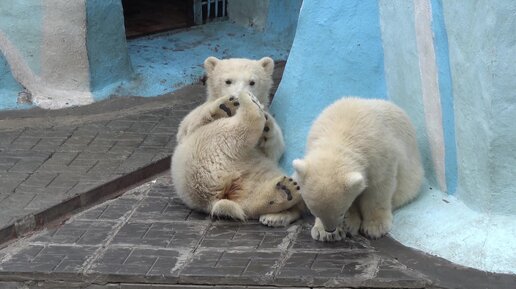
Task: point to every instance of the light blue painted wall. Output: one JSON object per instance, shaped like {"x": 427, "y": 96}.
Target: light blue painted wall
{"x": 402, "y": 71}
{"x": 9, "y": 87}
{"x": 107, "y": 47}
{"x": 482, "y": 46}
{"x": 282, "y": 20}
{"x": 337, "y": 51}
{"x": 21, "y": 21}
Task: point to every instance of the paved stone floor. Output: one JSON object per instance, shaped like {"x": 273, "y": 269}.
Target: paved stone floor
{"x": 148, "y": 236}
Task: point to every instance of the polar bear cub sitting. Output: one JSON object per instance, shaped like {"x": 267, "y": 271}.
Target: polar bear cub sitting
{"x": 229, "y": 77}
{"x": 362, "y": 161}
{"x": 217, "y": 169}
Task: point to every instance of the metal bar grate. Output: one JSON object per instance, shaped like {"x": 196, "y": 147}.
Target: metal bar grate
{"x": 208, "y": 10}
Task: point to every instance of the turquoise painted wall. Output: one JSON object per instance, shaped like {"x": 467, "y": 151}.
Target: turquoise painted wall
{"x": 107, "y": 47}
{"x": 22, "y": 21}
{"x": 337, "y": 51}
{"x": 402, "y": 71}
{"x": 482, "y": 46}
{"x": 9, "y": 87}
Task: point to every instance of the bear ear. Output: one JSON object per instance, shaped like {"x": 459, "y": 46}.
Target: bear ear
{"x": 355, "y": 181}
{"x": 268, "y": 64}
{"x": 300, "y": 167}
{"x": 210, "y": 63}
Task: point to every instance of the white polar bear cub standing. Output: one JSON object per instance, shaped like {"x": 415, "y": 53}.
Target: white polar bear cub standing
{"x": 229, "y": 77}
{"x": 362, "y": 161}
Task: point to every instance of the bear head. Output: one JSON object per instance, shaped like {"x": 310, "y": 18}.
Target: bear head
{"x": 328, "y": 189}
{"x": 231, "y": 76}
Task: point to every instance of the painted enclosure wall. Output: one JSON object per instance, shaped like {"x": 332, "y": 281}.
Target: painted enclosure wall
{"x": 337, "y": 51}
{"x": 482, "y": 55}
{"x": 449, "y": 65}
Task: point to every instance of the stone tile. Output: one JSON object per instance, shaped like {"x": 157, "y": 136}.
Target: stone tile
{"x": 78, "y": 232}
{"x": 113, "y": 210}
{"x": 315, "y": 269}
{"x": 135, "y": 161}
{"x": 237, "y": 235}
{"x": 49, "y": 144}
{"x": 249, "y": 264}
{"x": 163, "y": 210}
{"x": 47, "y": 259}
{"x": 24, "y": 143}
{"x": 40, "y": 179}
{"x": 137, "y": 261}
{"x": 159, "y": 140}
{"x": 160, "y": 235}
{"x": 26, "y": 166}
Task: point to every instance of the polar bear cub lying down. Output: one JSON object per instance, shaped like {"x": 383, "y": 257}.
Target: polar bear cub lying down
{"x": 362, "y": 161}
{"x": 217, "y": 169}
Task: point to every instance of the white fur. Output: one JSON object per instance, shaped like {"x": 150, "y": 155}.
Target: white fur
{"x": 240, "y": 72}
{"x": 362, "y": 162}
{"x": 217, "y": 168}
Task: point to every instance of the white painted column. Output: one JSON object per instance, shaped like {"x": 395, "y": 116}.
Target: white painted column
{"x": 430, "y": 87}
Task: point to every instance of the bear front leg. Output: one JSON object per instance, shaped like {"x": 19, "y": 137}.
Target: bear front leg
{"x": 376, "y": 210}
{"x": 271, "y": 142}
{"x": 352, "y": 219}
{"x": 207, "y": 113}
{"x": 248, "y": 123}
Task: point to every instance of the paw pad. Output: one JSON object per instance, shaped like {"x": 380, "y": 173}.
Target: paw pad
{"x": 229, "y": 105}
{"x": 287, "y": 186}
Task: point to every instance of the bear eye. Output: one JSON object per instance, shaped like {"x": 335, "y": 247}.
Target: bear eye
{"x": 228, "y": 81}
{"x": 251, "y": 83}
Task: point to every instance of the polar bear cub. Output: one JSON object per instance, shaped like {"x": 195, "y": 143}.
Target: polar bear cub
{"x": 230, "y": 77}
{"x": 217, "y": 169}
{"x": 362, "y": 161}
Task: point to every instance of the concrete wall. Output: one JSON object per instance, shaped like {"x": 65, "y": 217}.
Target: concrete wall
{"x": 107, "y": 47}
{"x": 63, "y": 51}
{"x": 449, "y": 64}
{"x": 482, "y": 55}
{"x": 337, "y": 51}
{"x": 277, "y": 18}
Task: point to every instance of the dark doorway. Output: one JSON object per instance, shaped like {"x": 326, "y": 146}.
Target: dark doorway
{"x": 144, "y": 17}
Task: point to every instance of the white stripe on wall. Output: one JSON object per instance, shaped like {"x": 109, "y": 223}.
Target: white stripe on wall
{"x": 430, "y": 87}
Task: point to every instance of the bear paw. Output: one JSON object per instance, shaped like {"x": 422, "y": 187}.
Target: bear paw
{"x": 276, "y": 219}
{"x": 225, "y": 107}
{"x": 319, "y": 234}
{"x": 352, "y": 222}
{"x": 267, "y": 130}
{"x": 288, "y": 186}
{"x": 375, "y": 228}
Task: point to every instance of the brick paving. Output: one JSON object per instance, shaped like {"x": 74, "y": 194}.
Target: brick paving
{"x": 147, "y": 236}
{"x": 43, "y": 167}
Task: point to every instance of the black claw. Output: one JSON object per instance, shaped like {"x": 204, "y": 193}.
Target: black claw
{"x": 226, "y": 109}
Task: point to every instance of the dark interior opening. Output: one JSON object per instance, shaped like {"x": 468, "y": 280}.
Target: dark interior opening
{"x": 144, "y": 17}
